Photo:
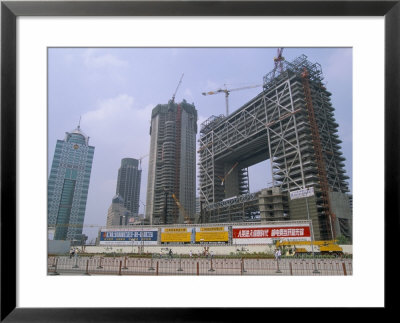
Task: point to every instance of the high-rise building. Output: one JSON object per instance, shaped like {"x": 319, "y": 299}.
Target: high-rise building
{"x": 117, "y": 212}
{"x": 171, "y": 185}
{"x": 128, "y": 184}
{"x": 68, "y": 186}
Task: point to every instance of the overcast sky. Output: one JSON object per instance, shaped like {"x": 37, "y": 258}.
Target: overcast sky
{"x": 113, "y": 91}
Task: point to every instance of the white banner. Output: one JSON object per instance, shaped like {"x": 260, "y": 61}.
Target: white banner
{"x": 129, "y": 237}
{"x": 305, "y": 192}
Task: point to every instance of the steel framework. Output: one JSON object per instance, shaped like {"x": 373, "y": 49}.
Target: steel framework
{"x": 276, "y": 126}
{"x": 237, "y": 209}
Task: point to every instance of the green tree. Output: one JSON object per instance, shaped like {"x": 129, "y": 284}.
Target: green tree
{"x": 341, "y": 239}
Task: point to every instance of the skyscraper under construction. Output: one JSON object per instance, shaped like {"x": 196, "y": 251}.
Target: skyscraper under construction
{"x": 290, "y": 123}
{"x": 171, "y": 185}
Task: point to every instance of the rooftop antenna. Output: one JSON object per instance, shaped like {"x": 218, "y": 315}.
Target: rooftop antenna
{"x": 79, "y": 124}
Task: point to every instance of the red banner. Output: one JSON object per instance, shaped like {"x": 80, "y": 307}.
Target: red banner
{"x": 271, "y": 232}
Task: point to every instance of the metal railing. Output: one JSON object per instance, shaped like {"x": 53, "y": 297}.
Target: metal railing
{"x": 197, "y": 266}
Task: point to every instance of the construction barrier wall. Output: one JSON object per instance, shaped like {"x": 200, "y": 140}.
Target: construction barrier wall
{"x": 241, "y": 233}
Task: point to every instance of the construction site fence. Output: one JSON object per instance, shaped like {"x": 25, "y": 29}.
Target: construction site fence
{"x": 156, "y": 266}
{"x": 232, "y": 255}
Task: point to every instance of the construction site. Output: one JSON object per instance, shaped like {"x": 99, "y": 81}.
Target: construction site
{"x": 290, "y": 124}
{"x": 303, "y": 208}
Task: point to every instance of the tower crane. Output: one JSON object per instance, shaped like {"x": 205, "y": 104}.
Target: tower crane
{"x": 173, "y": 96}
{"x": 180, "y": 206}
{"x": 228, "y": 173}
{"x": 227, "y": 91}
{"x": 278, "y": 61}
{"x": 187, "y": 218}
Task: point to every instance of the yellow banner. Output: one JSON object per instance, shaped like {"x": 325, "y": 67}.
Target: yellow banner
{"x": 176, "y": 237}
{"x": 208, "y": 236}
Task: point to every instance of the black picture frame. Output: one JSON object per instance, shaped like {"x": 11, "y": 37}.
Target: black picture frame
{"x": 10, "y": 10}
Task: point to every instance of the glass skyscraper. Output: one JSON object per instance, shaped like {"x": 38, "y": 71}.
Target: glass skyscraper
{"x": 68, "y": 186}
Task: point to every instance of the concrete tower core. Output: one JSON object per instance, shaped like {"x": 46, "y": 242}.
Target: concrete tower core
{"x": 171, "y": 185}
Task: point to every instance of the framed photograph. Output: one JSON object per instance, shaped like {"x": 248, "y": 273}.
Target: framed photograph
{"x": 34, "y": 33}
